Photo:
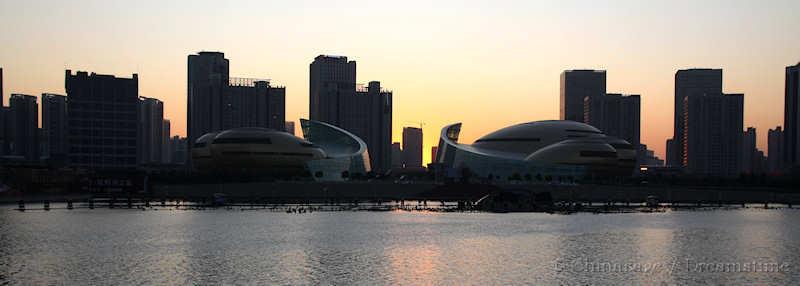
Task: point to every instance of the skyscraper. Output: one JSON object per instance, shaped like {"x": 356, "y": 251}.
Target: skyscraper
{"x": 24, "y": 118}
{"x": 748, "y": 155}
{"x": 151, "y": 124}
{"x": 54, "y": 125}
{"x": 397, "y": 155}
{"x": 331, "y": 78}
{"x": 3, "y": 122}
{"x": 365, "y": 111}
{"x": 217, "y": 101}
{"x": 103, "y": 113}
{"x": 166, "y": 150}
{"x": 289, "y": 127}
{"x": 775, "y": 150}
{"x": 616, "y": 115}
{"x": 712, "y": 130}
{"x": 412, "y": 147}
{"x": 577, "y": 85}
{"x": 791, "y": 120}
{"x": 434, "y": 149}
{"x": 690, "y": 82}
{"x": 208, "y": 77}
{"x": 2, "y": 95}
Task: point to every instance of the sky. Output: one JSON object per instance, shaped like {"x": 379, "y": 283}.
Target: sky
{"x": 487, "y": 64}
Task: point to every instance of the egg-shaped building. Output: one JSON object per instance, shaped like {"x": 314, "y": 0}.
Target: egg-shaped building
{"x": 541, "y": 149}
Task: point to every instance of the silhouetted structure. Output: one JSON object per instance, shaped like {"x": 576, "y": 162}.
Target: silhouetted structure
{"x": 4, "y": 124}
{"x": 648, "y": 157}
{"x": 24, "y": 119}
{"x": 151, "y": 129}
{"x": 712, "y": 134}
{"x": 690, "y": 82}
{"x": 397, "y": 155}
{"x": 103, "y": 115}
{"x": 218, "y": 102}
{"x": 749, "y": 162}
{"x": 178, "y": 149}
{"x": 775, "y": 150}
{"x": 412, "y": 147}
{"x": 791, "y": 120}
{"x": 616, "y": 115}
{"x": 290, "y": 127}
{"x": 577, "y": 85}
{"x": 54, "y": 126}
{"x": 166, "y": 151}
{"x": 434, "y": 149}
{"x": 2, "y": 95}
{"x": 335, "y": 98}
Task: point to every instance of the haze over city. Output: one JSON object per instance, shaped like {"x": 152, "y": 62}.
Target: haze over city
{"x": 486, "y": 64}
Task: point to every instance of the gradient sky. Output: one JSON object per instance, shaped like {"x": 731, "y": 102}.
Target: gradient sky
{"x": 487, "y": 64}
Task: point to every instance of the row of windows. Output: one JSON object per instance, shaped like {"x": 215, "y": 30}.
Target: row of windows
{"x": 104, "y": 141}
{"x": 103, "y": 123}
{"x": 103, "y": 150}
{"x": 102, "y": 133}
{"x": 108, "y": 160}
{"x": 117, "y": 115}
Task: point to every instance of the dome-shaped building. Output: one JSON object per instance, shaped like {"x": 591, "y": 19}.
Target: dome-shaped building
{"x": 552, "y": 148}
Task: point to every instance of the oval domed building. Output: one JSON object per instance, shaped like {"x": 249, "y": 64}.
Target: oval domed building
{"x": 551, "y": 148}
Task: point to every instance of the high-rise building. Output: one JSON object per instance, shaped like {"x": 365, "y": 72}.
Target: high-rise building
{"x": 335, "y": 98}
{"x": 54, "y": 126}
{"x": 748, "y": 155}
{"x": 217, "y": 101}
{"x": 290, "y": 127}
{"x": 208, "y": 77}
{"x": 3, "y": 121}
{"x": 397, "y": 155}
{"x": 712, "y": 130}
{"x": 24, "y": 119}
{"x": 775, "y": 150}
{"x": 331, "y": 78}
{"x": 791, "y": 119}
{"x": 672, "y": 158}
{"x": 690, "y": 82}
{"x": 166, "y": 150}
{"x": 151, "y": 124}
{"x": 254, "y": 103}
{"x": 412, "y": 147}
{"x": 2, "y": 95}
{"x": 577, "y": 85}
{"x": 179, "y": 150}
{"x": 616, "y": 115}
{"x": 103, "y": 115}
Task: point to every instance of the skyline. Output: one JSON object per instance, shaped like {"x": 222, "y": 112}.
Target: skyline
{"x": 432, "y": 61}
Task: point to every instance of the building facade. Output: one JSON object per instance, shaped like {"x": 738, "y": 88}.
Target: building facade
{"x": 24, "y": 122}
{"x": 616, "y": 115}
{"x": 690, "y": 82}
{"x": 775, "y": 150}
{"x": 412, "y": 147}
{"x": 151, "y": 124}
{"x": 791, "y": 120}
{"x": 576, "y": 85}
{"x": 54, "y": 125}
{"x": 711, "y": 143}
{"x": 335, "y": 98}
{"x": 103, "y": 115}
{"x": 749, "y": 160}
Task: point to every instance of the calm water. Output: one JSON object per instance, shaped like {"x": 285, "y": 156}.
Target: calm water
{"x": 258, "y": 247}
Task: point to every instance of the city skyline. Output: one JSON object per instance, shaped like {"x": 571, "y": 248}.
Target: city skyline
{"x": 426, "y": 63}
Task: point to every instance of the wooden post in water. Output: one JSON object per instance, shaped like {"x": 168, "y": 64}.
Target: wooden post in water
{"x": 69, "y": 204}
{"x": 91, "y": 204}
{"x": 47, "y": 205}
{"x": 21, "y": 205}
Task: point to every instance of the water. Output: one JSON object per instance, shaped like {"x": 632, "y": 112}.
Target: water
{"x": 114, "y": 247}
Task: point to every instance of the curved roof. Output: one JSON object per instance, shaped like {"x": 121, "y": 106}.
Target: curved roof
{"x": 336, "y": 141}
{"x": 526, "y": 138}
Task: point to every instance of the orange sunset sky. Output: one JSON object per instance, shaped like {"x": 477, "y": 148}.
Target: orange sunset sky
{"x": 487, "y": 64}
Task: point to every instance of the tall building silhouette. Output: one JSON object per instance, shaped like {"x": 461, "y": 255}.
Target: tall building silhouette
{"x": 712, "y": 140}
{"x": 748, "y": 163}
{"x": 574, "y": 87}
{"x": 412, "y": 147}
{"x": 775, "y": 150}
{"x": 397, "y": 155}
{"x": 791, "y": 120}
{"x": 616, "y": 115}
{"x": 335, "y": 98}
{"x": 166, "y": 151}
{"x": 289, "y": 127}
{"x": 103, "y": 115}
{"x": 217, "y": 101}
{"x": 24, "y": 119}
{"x": 151, "y": 129}
{"x": 690, "y": 82}
{"x": 54, "y": 126}
{"x": 3, "y": 122}
{"x": 2, "y": 95}
{"x": 331, "y": 79}
{"x": 208, "y": 77}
